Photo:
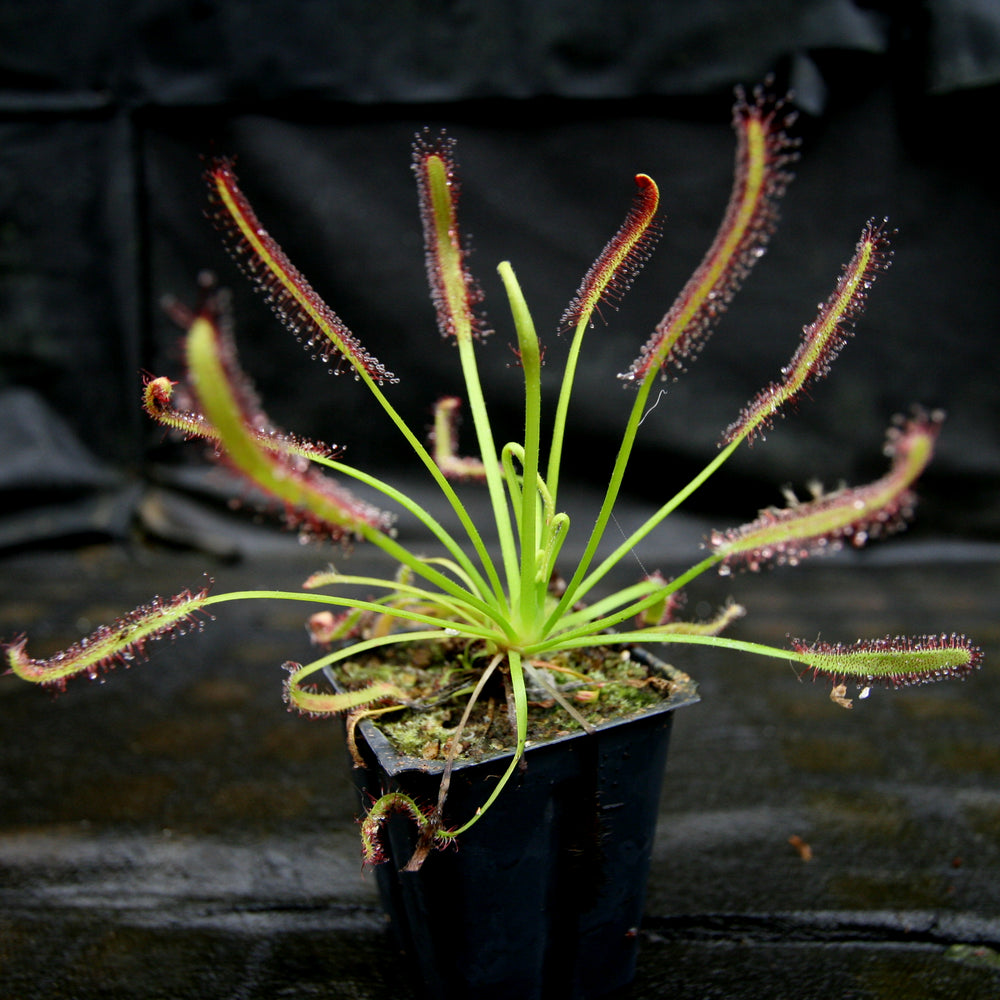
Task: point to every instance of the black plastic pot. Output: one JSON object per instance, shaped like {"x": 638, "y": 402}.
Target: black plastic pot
{"x": 543, "y": 896}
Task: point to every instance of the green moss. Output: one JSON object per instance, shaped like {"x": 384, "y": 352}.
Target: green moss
{"x": 978, "y": 956}
{"x": 602, "y": 684}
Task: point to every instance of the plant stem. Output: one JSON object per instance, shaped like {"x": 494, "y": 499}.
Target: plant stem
{"x": 476, "y": 579}
{"x": 531, "y": 364}
{"x": 521, "y": 715}
{"x": 438, "y": 476}
{"x": 562, "y": 407}
{"x": 461, "y": 627}
{"x": 650, "y": 523}
{"x": 594, "y": 626}
{"x": 488, "y": 453}
{"x": 610, "y": 497}
{"x": 715, "y": 641}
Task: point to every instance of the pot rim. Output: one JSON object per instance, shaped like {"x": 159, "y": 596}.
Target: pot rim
{"x": 395, "y": 763}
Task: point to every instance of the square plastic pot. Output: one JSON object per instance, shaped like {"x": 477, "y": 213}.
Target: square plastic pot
{"x": 542, "y": 898}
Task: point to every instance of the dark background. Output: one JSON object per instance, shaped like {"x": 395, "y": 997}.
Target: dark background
{"x": 176, "y": 833}
{"x": 105, "y": 111}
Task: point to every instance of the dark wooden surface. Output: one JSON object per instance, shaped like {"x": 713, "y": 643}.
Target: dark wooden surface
{"x": 174, "y": 832}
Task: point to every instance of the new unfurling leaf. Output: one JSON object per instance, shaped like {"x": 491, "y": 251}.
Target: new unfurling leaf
{"x": 620, "y": 261}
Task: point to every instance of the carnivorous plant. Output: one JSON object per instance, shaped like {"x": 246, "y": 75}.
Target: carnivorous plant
{"x": 496, "y": 591}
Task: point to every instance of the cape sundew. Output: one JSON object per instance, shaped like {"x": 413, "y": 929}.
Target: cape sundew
{"x": 764, "y": 151}
{"x": 284, "y": 287}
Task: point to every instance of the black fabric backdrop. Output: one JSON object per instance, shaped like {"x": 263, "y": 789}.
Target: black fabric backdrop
{"x": 105, "y": 111}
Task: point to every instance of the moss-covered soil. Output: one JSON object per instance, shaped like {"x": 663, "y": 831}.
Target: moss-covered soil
{"x": 601, "y": 684}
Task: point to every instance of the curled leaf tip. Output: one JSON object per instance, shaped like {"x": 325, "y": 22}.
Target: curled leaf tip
{"x": 158, "y": 400}
{"x": 372, "y": 850}
{"x": 307, "y": 700}
{"x": 612, "y": 274}
{"x": 444, "y": 439}
{"x": 763, "y": 156}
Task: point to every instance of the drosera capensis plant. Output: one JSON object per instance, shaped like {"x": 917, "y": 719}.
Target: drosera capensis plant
{"x": 495, "y": 595}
